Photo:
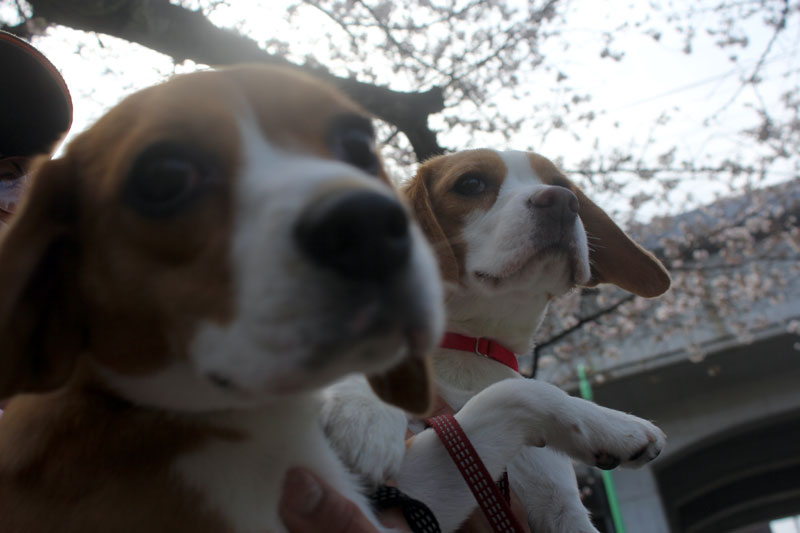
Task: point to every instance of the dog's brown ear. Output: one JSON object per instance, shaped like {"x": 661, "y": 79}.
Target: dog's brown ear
{"x": 40, "y": 325}
{"x": 418, "y": 196}
{"x": 615, "y": 257}
{"x": 408, "y": 386}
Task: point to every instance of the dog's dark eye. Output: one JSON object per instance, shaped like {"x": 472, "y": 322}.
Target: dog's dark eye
{"x": 471, "y": 184}
{"x": 164, "y": 178}
{"x": 352, "y": 140}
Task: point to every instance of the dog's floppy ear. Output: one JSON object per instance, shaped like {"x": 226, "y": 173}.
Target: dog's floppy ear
{"x": 418, "y": 196}
{"x": 615, "y": 257}
{"x": 40, "y": 324}
{"x": 409, "y": 386}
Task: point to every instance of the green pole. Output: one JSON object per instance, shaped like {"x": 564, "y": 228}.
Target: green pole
{"x": 608, "y": 480}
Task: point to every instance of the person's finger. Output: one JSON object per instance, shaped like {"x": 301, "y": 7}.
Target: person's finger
{"x": 518, "y": 510}
{"x": 442, "y": 408}
{"x": 310, "y": 504}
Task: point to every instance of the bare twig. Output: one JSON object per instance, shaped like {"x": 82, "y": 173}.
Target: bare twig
{"x": 569, "y": 331}
{"x": 753, "y": 78}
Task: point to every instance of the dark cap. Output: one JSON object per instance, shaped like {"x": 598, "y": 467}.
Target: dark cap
{"x": 35, "y": 105}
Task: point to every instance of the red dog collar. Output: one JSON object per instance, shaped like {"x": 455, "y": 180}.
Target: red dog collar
{"x": 481, "y": 346}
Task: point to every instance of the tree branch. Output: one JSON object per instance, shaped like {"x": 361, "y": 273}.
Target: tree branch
{"x": 184, "y": 34}
{"x": 569, "y": 331}
{"x": 753, "y": 78}
{"x": 707, "y": 242}
{"x": 733, "y": 266}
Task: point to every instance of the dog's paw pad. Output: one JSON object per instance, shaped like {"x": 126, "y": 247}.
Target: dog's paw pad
{"x": 606, "y": 461}
{"x": 648, "y": 445}
{"x": 618, "y": 439}
{"x": 646, "y": 453}
{"x": 638, "y": 454}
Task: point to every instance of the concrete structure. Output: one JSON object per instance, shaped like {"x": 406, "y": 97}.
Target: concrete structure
{"x": 732, "y": 416}
{"x": 734, "y": 439}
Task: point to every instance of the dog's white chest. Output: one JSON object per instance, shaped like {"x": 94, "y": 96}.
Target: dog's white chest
{"x": 242, "y": 479}
{"x": 461, "y": 376}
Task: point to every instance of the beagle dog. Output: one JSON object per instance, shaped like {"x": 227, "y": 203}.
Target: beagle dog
{"x": 511, "y": 233}
{"x": 177, "y": 288}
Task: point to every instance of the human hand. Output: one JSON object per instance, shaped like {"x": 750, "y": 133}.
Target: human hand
{"x": 478, "y": 523}
{"x": 310, "y": 504}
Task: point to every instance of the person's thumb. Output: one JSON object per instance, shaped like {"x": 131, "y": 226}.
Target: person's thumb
{"x": 309, "y": 504}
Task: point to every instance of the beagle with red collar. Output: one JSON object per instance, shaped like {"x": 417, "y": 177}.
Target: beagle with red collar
{"x": 176, "y": 289}
{"x": 511, "y": 233}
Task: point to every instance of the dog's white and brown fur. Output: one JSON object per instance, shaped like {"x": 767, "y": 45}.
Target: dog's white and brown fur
{"x": 511, "y": 232}
{"x": 178, "y": 286}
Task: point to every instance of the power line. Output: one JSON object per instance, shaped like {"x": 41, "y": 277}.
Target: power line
{"x": 693, "y": 85}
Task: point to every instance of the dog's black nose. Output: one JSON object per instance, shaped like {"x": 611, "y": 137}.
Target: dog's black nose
{"x": 358, "y": 234}
{"x": 559, "y": 204}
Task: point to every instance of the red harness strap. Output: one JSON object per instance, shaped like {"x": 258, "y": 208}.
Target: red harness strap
{"x": 486, "y": 492}
{"x": 481, "y": 346}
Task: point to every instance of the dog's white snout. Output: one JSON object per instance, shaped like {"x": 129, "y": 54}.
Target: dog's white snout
{"x": 359, "y": 234}
{"x": 557, "y": 203}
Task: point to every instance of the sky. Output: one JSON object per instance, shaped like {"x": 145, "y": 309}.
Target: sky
{"x": 653, "y": 77}
{"x": 786, "y": 525}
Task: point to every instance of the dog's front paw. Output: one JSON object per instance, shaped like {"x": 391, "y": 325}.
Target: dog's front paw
{"x": 608, "y": 439}
{"x": 368, "y": 435}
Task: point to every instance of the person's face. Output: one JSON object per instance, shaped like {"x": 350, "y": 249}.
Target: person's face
{"x": 13, "y": 183}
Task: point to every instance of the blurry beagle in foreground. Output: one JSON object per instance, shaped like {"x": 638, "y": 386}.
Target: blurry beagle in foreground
{"x": 511, "y": 232}
{"x": 178, "y": 286}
